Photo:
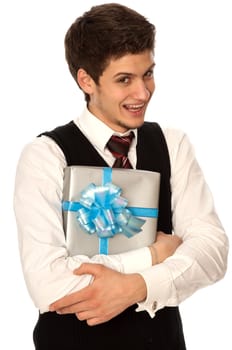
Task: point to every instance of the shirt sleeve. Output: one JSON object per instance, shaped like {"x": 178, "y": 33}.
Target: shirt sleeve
{"x": 202, "y": 257}
{"x": 46, "y": 264}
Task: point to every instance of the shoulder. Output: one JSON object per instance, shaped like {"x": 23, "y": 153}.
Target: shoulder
{"x": 42, "y": 151}
{"x": 173, "y": 136}
{"x": 178, "y": 143}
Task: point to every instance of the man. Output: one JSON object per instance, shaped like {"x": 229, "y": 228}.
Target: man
{"x": 127, "y": 300}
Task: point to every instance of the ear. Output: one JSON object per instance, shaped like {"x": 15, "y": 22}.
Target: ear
{"x": 85, "y": 81}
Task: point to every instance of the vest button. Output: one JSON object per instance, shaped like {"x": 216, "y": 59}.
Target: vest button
{"x": 154, "y": 305}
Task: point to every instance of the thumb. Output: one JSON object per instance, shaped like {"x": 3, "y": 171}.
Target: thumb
{"x": 88, "y": 269}
{"x": 160, "y": 235}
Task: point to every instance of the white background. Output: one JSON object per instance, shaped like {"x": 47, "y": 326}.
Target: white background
{"x": 193, "y": 77}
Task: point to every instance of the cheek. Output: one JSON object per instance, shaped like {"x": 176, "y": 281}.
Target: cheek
{"x": 151, "y": 86}
{"x": 116, "y": 96}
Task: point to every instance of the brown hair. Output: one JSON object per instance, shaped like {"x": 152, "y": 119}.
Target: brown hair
{"x": 104, "y": 32}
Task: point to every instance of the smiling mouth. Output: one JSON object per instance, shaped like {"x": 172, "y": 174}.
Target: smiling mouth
{"x": 135, "y": 108}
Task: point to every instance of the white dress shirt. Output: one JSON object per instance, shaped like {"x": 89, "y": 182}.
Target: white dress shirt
{"x": 200, "y": 261}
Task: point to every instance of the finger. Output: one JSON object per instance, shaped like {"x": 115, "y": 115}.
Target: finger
{"x": 91, "y": 320}
{"x": 72, "y": 309}
{"x": 89, "y": 269}
{"x": 95, "y": 321}
{"x": 84, "y": 315}
{"x": 68, "y": 300}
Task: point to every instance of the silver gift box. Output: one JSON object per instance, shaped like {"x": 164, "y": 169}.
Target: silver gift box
{"x": 139, "y": 187}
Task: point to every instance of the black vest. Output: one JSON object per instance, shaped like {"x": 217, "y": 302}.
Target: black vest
{"x": 130, "y": 330}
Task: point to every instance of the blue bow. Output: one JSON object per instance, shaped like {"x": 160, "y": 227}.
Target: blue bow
{"x": 103, "y": 211}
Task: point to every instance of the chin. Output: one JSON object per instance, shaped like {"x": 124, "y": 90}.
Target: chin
{"x": 131, "y": 123}
{"x": 136, "y": 123}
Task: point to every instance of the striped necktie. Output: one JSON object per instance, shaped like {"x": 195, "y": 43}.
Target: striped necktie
{"x": 119, "y": 147}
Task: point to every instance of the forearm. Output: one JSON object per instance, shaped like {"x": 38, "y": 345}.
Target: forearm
{"x": 49, "y": 272}
{"x": 200, "y": 261}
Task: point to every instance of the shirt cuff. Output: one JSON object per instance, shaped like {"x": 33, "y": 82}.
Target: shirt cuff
{"x": 161, "y": 291}
{"x": 136, "y": 260}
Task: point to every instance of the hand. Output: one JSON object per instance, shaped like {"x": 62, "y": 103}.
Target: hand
{"x": 109, "y": 294}
{"x": 164, "y": 246}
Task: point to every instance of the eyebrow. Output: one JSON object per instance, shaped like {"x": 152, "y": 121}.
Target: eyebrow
{"x": 131, "y": 74}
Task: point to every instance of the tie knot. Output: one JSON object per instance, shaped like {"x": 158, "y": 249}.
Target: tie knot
{"x": 119, "y": 147}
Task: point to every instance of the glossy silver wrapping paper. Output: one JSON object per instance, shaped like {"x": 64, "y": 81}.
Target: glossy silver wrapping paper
{"x": 139, "y": 187}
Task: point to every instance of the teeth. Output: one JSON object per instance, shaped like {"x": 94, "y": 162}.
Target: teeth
{"x": 135, "y": 106}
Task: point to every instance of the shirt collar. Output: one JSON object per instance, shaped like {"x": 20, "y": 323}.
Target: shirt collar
{"x": 97, "y": 132}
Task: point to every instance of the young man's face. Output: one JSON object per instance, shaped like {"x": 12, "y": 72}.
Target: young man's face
{"x": 124, "y": 90}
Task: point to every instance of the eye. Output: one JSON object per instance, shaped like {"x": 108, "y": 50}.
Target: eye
{"x": 124, "y": 79}
{"x": 149, "y": 74}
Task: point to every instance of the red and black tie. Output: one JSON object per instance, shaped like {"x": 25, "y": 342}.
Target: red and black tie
{"x": 119, "y": 147}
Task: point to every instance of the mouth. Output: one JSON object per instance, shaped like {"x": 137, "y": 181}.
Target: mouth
{"x": 135, "y": 108}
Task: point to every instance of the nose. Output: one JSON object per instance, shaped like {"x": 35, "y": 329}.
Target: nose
{"x": 141, "y": 91}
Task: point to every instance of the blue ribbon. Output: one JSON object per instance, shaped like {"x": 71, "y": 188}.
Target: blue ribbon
{"x": 102, "y": 211}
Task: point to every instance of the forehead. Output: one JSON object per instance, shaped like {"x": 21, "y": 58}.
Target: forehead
{"x": 130, "y": 63}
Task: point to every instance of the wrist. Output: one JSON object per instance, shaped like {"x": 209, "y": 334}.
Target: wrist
{"x": 137, "y": 288}
{"x": 154, "y": 255}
